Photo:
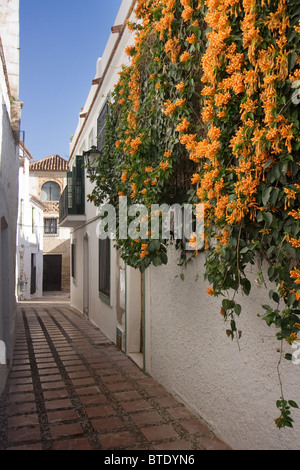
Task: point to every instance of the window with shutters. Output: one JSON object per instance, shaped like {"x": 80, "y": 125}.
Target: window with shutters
{"x": 104, "y": 269}
{"x": 73, "y": 254}
{"x": 72, "y": 201}
{"x": 101, "y": 126}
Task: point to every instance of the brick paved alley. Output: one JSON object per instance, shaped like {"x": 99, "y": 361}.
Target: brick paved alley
{"x": 71, "y": 389}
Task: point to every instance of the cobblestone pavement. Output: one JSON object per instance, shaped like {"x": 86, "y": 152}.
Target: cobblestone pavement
{"x": 70, "y": 388}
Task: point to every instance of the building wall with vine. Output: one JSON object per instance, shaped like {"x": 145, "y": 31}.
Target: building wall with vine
{"x": 207, "y": 112}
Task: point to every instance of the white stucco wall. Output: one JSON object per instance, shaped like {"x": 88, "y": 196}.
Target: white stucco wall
{"x": 233, "y": 390}
{"x": 29, "y": 242}
{"x": 9, "y": 31}
{"x": 8, "y": 222}
{"x": 186, "y": 348}
{"x": 100, "y": 313}
{"x": 9, "y": 160}
{"x": 109, "y": 72}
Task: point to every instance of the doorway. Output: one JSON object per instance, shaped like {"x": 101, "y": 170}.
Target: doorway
{"x": 33, "y": 274}
{"x": 4, "y": 291}
{"x": 86, "y": 270}
{"x": 135, "y": 324}
{"x": 52, "y": 273}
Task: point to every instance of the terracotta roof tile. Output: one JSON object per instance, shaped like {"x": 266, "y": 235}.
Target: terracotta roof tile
{"x": 52, "y": 163}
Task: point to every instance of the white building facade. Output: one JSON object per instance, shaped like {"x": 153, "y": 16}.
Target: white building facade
{"x": 47, "y": 180}
{"x": 29, "y": 261}
{"x": 172, "y": 328}
{"x": 97, "y": 272}
{"x": 10, "y": 112}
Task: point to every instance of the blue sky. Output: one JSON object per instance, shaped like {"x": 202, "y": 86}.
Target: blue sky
{"x": 60, "y": 42}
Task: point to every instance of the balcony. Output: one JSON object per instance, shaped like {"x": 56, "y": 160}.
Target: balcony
{"x": 72, "y": 200}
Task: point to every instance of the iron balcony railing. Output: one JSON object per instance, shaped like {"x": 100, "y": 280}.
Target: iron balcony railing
{"x": 72, "y": 200}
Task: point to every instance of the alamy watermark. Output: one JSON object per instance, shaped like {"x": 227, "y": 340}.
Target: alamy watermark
{"x": 296, "y": 93}
{"x": 296, "y": 353}
{"x": 157, "y": 221}
{"x": 296, "y": 344}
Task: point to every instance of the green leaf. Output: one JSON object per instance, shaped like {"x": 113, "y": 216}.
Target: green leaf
{"x": 157, "y": 261}
{"x": 237, "y": 309}
{"x": 291, "y": 299}
{"x": 266, "y": 195}
{"x": 228, "y": 304}
{"x": 267, "y": 164}
{"x": 164, "y": 257}
{"x": 246, "y": 284}
{"x": 275, "y": 297}
{"x": 293, "y": 404}
{"x": 154, "y": 245}
{"x": 259, "y": 216}
{"x": 268, "y": 217}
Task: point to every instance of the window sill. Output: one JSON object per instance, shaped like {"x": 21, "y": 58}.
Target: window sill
{"x": 104, "y": 299}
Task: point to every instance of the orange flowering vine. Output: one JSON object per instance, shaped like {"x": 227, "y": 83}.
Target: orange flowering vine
{"x": 207, "y": 111}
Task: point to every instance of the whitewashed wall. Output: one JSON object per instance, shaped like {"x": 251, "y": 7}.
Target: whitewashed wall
{"x": 9, "y": 31}
{"x": 28, "y": 242}
{"x": 9, "y": 162}
{"x": 100, "y": 313}
{"x": 187, "y": 349}
{"x": 233, "y": 390}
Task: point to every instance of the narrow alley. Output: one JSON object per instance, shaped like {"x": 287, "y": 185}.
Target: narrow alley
{"x": 70, "y": 388}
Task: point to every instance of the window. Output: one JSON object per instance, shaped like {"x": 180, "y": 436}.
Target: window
{"x": 73, "y": 260}
{"x": 50, "y": 192}
{"x": 50, "y": 226}
{"x": 33, "y": 224}
{"x": 101, "y": 126}
{"x": 104, "y": 268}
{"x": 21, "y": 213}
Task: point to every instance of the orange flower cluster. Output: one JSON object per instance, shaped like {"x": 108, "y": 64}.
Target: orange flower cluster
{"x": 167, "y": 18}
{"x": 248, "y": 75}
{"x": 173, "y": 48}
{"x": 185, "y": 56}
{"x": 241, "y": 139}
{"x": 295, "y": 213}
{"x": 183, "y": 125}
{"x": 290, "y": 195}
{"x": 210, "y": 291}
{"x": 144, "y": 251}
{"x": 134, "y": 190}
{"x": 291, "y": 338}
{"x": 293, "y": 241}
{"x": 295, "y": 274}
{"x": 244, "y": 130}
{"x": 164, "y": 165}
{"x": 135, "y": 144}
{"x": 171, "y": 107}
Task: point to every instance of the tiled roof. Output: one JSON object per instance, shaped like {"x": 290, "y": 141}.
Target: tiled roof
{"x": 52, "y": 163}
